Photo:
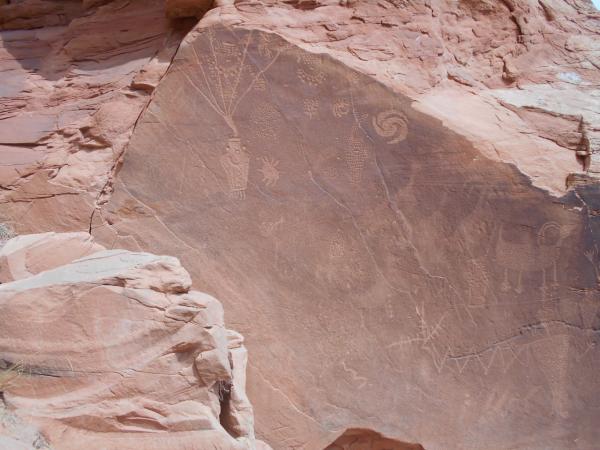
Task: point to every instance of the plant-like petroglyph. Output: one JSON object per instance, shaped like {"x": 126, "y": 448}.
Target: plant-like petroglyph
{"x": 341, "y": 108}
{"x": 392, "y": 125}
{"x": 478, "y": 283}
{"x": 260, "y": 82}
{"x": 353, "y": 78}
{"x": 236, "y": 162}
{"x": 270, "y": 172}
{"x": 533, "y": 254}
{"x": 223, "y": 78}
{"x": 265, "y": 48}
{"x": 337, "y": 248}
{"x": 229, "y": 69}
{"x": 311, "y": 107}
{"x": 310, "y": 71}
{"x": 357, "y": 153}
{"x": 264, "y": 119}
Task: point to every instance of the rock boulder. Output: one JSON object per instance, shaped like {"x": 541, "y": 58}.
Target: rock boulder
{"x": 112, "y": 349}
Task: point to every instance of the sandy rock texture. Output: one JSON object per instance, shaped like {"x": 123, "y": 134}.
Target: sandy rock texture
{"x": 397, "y": 202}
{"x": 74, "y": 78}
{"x": 387, "y": 274}
{"x": 518, "y": 78}
{"x": 114, "y": 350}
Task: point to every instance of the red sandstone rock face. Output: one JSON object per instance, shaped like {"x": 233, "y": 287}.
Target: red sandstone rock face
{"x": 508, "y": 75}
{"x": 115, "y": 351}
{"x": 387, "y": 274}
{"x": 402, "y": 256}
{"x": 74, "y": 78}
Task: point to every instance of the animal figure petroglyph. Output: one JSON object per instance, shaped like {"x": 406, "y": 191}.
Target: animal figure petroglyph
{"x": 533, "y": 255}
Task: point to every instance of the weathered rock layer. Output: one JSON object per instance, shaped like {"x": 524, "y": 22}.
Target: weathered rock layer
{"x": 113, "y": 350}
{"x": 74, "y": 78}
{"x": 397, "y": 201}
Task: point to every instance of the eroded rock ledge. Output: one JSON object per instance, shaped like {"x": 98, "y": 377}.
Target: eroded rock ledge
{"x": 115, "y": 350}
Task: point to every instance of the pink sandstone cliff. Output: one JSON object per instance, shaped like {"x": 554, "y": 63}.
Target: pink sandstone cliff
{"x": 112, "y": 349}
{"x": 395, "y": 200}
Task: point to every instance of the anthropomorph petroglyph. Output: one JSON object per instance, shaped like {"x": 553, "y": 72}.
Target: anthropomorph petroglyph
{"x": 236, "y": 162}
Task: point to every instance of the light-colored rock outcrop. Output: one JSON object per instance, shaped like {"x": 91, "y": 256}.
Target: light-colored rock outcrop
{"x": 74, "y": 78}
{"x": 114, "y": 350}
{"x": 15, "y": 433}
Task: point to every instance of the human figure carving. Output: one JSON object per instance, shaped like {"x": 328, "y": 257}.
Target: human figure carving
{"x": 235, "y": 162}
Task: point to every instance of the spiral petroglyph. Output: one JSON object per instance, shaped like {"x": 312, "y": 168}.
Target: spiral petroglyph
{"x": 392, "y": 125}
{"x": 341, "y": 108}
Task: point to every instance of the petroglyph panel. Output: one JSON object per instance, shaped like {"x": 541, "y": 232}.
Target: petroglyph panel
{"x": 367, "y": 252}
